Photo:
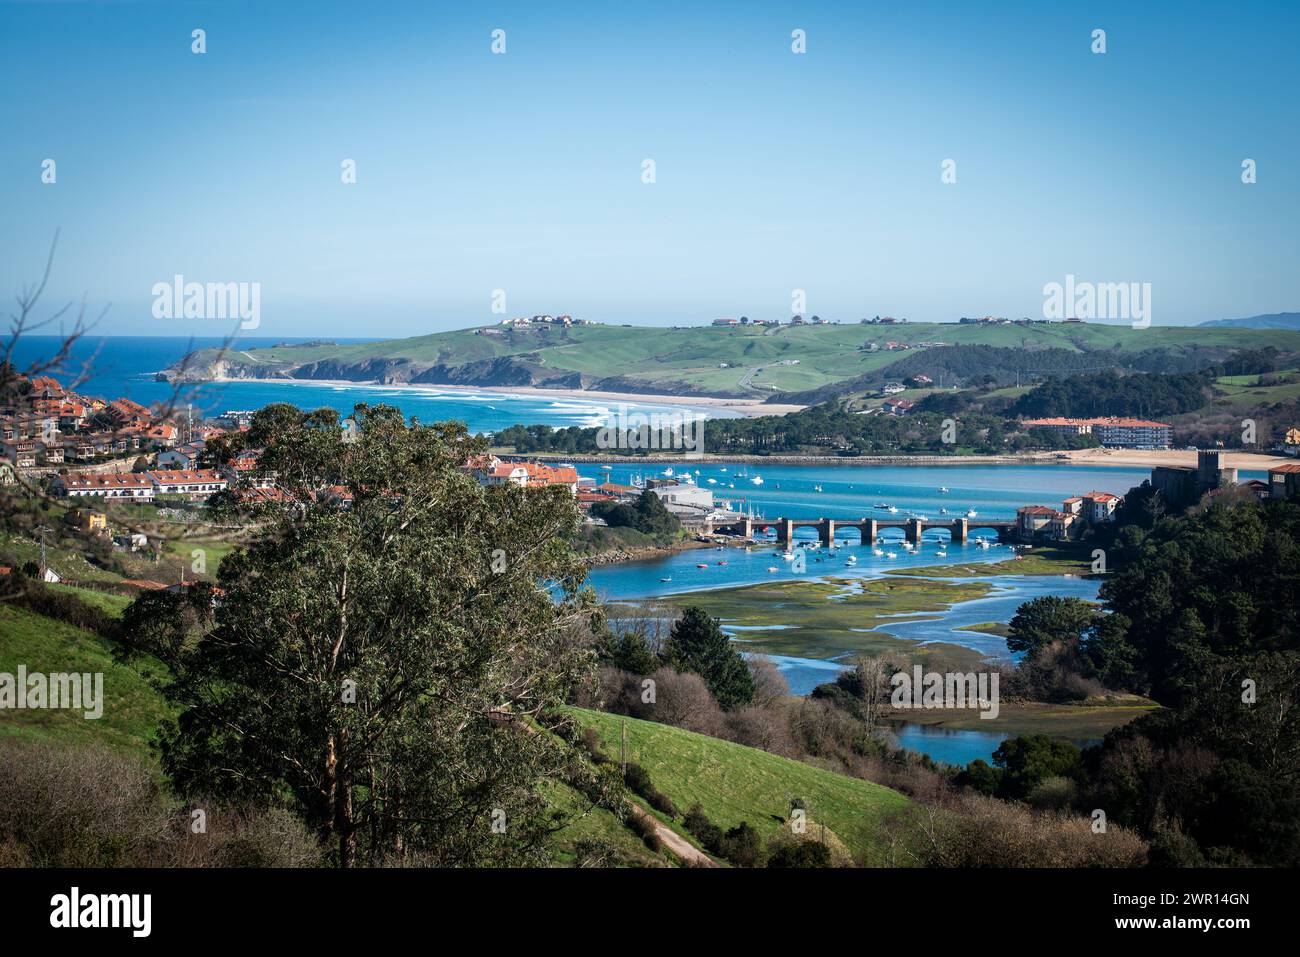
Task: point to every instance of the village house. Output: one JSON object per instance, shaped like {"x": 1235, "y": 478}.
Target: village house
{"x": 121, "y": 485}
{"x": 182, "y": 457}
{"x": 199, "y": 483}
{"x": 1284, "y": 480}
{"x": 1099, "y": 507}
{"x": 1034, "y": 521}
{"x": 898, "y": 406}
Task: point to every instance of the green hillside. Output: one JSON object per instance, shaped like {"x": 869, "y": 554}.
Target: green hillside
{"x": 750, "y": 361}
{"x": 734, "y": 783}
{"x": 133, "y": 709}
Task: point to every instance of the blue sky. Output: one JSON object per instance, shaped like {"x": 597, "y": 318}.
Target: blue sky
{"x": 775, "y": 171}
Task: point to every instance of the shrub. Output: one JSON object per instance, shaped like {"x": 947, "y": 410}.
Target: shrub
{"x": 644, "y": 827}
{"x": 741, "y": 845}
{"x": 708, "y": 833}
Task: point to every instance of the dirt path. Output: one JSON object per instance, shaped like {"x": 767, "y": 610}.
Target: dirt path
{"x": 683, "y": 848}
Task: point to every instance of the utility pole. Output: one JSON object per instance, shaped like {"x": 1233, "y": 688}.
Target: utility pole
{"x": 42, "y": 529}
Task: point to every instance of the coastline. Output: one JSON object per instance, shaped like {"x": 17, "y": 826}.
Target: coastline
{"x": 753, "y": 408}
{"x": 1150, "y": 458}
{"x": 748, "y": 408}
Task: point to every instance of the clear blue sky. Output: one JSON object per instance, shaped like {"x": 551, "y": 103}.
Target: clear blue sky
{"x": 774, "y": 170}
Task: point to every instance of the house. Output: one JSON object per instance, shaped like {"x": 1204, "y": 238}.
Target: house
{"x": 199, "y": 483}
{"x": 162, "y": 436}
{"x": 124, "y": 412}
{"x": 1099, "y": 507}
{"x": 1033, "y": 521}
{"x": 244, "y": 471}
{"x": 898, "y": 406}
{"x": 91, "y": 521}
{"x": 1284, "y": 480}
{"x": 1062, "y": 526}
{"x": 21, "y": 454}
{"x": 45, "y": 387}
{"x": 1073, "y": 505}
{"x": 892, "y": 388}
{"x": 526, "y": 474}
{"x": 119, "y": 485}
{"x": 182, "y": 457}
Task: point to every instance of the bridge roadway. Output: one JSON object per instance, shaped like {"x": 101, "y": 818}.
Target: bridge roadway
{"x": 868, "y": 528}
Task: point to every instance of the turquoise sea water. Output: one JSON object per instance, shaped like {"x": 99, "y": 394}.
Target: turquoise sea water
{"x": 125, "y": 367}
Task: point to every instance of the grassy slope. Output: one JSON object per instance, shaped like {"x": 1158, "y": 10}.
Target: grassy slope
{"x": 734, "y": 783}
{"x": 133, "y": 709}
{"x": 669, "y": 359}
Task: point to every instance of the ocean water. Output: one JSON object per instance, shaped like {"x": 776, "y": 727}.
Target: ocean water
{"x": 124, "y": 366}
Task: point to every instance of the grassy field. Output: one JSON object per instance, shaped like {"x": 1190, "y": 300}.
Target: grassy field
{"x": 133, "y": 709}
{"x": 734, "y": 783}
{"x": 1244, "y": 392}
{"x": 823, "y": 619}
{"x": 754, "y": 361}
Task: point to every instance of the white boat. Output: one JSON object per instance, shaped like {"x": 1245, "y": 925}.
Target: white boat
{"x": 787, "y": 555}
{"x": 891, "y": 555}
{"x": 757, "y": 480}
{"x": 893, "y": 510}
{"x": 852, "y": 560}
{"x": 713, "y": 481}
{"x": 942, "y": 554}
{"x": 877, "y": 552}
{"x": 668, "y": 579}
{"x": 971, "y": 513}
{"x": 607, "y": 468}
{"x": 943, "y": 490}
{"x": 982, "y": 543}
{"x": 943, "y": 511}
{"x": 668, "y": 471}
{"x": 773, "y": 568}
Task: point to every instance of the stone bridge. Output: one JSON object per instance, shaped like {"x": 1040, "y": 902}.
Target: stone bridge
{"x": 868, "y": 528}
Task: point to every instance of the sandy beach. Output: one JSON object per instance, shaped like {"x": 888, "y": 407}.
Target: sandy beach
{"x": 746, "y": 407}
{"x": 1150, "y": 458}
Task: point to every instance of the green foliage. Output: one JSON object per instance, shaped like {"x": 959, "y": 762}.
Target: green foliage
{"x": 1144, "y": 395}
{"x": 380, "y": 668}
{"x": 1029, "y": 760}
{"x": 648, "y": 515}
{"x": 800, "y": 854}
{"x": 697, "y": 644}
{"x": 1048, "y": 619}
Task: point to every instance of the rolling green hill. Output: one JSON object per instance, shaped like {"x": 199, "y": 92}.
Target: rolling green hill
{"x": 734, "y": 783}
{"x": 133, "y": 708}
{"x": 749, "y": 361}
